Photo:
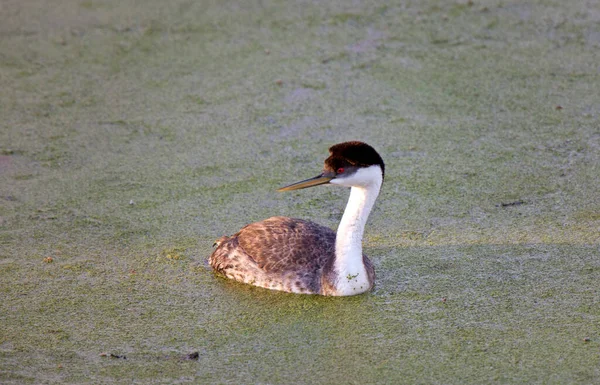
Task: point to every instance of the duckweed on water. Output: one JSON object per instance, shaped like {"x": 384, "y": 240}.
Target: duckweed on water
{"x": 178, "y": 110}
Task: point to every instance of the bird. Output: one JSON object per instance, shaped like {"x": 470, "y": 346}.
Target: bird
{"x": 300, "y": 256}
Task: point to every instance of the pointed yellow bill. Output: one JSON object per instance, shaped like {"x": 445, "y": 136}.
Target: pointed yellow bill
{"x": 320, "y": 179}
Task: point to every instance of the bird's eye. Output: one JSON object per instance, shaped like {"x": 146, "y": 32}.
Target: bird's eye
{"x": 340, "y": 170}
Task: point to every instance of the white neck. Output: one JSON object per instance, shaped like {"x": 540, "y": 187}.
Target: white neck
{"x": 349, "y": 265}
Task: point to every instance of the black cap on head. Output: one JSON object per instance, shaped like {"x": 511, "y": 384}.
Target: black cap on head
{"x": 355, "y": 154}
{"x": 345, "y": 159}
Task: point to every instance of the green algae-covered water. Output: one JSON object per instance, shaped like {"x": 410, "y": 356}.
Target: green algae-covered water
{"x": 134, "y": 134}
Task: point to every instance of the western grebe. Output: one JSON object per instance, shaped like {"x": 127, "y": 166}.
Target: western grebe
{"x": 299, "y": 256}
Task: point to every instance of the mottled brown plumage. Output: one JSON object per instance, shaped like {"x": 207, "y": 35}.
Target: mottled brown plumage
{"x": 254, "y": 255}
